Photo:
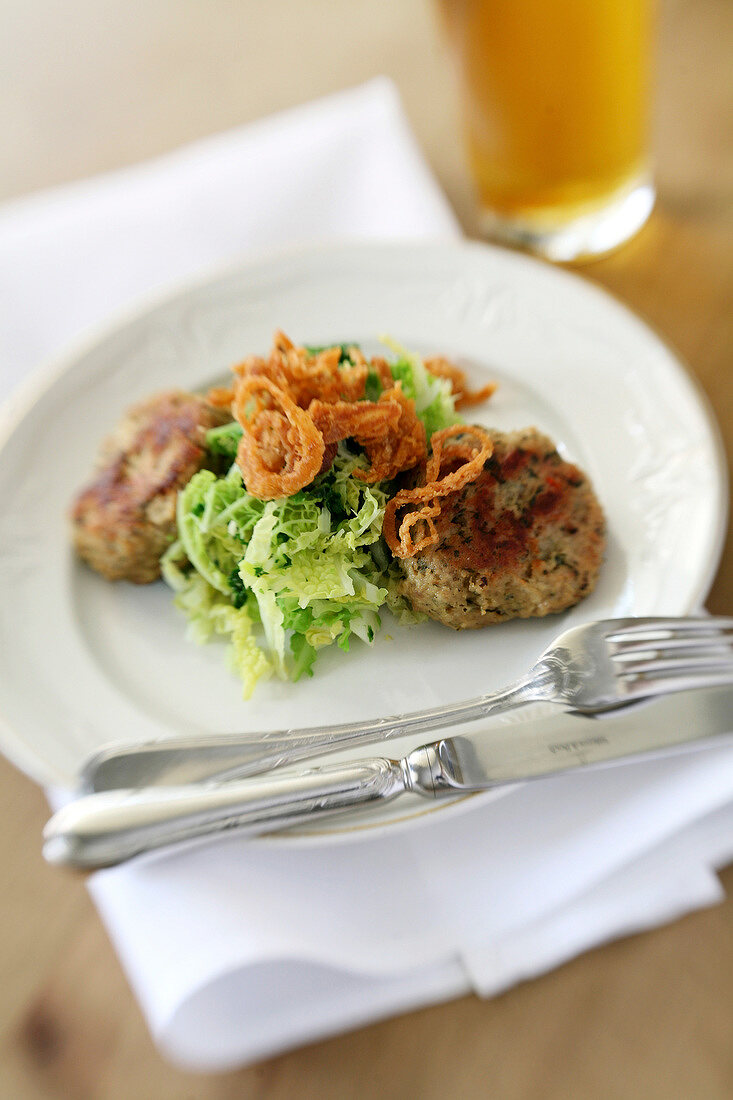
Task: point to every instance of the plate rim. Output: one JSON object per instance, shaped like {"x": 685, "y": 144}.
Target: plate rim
{"x": 21, "y": 401}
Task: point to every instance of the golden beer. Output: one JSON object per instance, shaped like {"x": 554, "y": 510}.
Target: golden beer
{"x": 557, "y": 103}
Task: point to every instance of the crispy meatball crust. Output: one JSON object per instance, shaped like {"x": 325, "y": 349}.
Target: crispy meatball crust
{"x": 124, "y": 520}
{"x": 525, "y": 539}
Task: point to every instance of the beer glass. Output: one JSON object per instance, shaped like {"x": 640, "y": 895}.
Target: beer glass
{"x": 556, "y": 102}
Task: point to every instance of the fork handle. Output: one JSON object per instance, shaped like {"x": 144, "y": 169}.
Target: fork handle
{"x": 99, "y": 830}
{"x": 224, "y": 756}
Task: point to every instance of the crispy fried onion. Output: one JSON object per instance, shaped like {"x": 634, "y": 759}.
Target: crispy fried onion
{"x": 471, "y": 448}
{"x": 443, "y": 368}
{"x": 306, "y": 377}
{"x": 363, "y": 421}
{"x": 389, "y": 430}
{"x": 220, "y": 397}
{"x": 401, "y": 448}
{"x": 281, "y": 450}
{"x": 381, "y": 367}
{"x": 295, "y": 406}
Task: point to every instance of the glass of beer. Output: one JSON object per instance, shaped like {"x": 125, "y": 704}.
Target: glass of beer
{"x": 557, "y": 104}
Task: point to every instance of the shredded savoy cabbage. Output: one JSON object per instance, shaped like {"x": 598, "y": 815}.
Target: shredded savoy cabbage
{"x": 281, "y": 579}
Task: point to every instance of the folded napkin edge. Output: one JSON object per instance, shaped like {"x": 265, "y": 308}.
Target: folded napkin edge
{"x": 379, "y": 87}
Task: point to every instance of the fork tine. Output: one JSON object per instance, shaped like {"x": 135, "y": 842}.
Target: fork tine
{"x": 642, "y": 687}
{"x": 633, "y": 628}
{"x": 687, "y": 643}
{"x": 680, "y": 665}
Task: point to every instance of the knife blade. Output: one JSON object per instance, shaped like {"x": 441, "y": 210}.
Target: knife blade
{"x": 560, "y": 743}
{"x": 108, "y": 827}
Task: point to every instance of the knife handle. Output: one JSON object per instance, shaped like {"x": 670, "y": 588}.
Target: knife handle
{"x": 102, "y": 829}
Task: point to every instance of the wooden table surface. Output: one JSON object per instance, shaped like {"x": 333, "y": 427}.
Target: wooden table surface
{"x": 93, "y": 84}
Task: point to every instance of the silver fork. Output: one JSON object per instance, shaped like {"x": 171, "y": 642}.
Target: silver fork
{"x": 591, "y": 668}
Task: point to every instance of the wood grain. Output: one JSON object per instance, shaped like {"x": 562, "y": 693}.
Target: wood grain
{"x": 94, "y": 84}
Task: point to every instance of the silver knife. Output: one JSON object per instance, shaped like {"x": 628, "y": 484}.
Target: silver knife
{"x": 108, "y": 827}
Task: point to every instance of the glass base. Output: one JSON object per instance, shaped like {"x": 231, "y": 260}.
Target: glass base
{"x": 586, "y": 233}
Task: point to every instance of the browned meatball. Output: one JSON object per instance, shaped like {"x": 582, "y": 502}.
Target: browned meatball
{"x": 125, "y": 519}
{"x": 525, "y": 539}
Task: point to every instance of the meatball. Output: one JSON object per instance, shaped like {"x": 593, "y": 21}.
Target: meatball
{"x": 525, "y": 539}
{"x": 124, "y": 520}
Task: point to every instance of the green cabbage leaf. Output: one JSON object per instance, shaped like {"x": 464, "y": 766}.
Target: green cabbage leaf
{"x": 282, "y": 578}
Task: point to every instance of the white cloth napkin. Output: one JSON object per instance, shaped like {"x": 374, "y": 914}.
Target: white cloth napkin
{"x": 239, "y": 950}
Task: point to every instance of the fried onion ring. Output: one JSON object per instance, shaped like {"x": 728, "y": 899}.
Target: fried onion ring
{"x": 281, "y": 450}
{"x": 381, "y": 367}
{"x": 425, "y": 515}
{"x": 363, "y": 421}
{"x": 443, "y": 368}
{"x": 402, "y": 448}
{"x": 220, "y": 397}
{"x": 389, "y": 430}
{"x": 307, "y": 377}
{"x": 472, "y": 446}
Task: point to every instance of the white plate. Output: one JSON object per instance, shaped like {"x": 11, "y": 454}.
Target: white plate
{"x": 85, "y": 662}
